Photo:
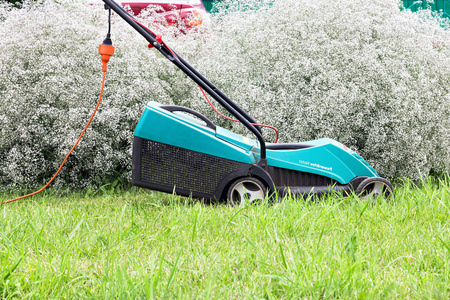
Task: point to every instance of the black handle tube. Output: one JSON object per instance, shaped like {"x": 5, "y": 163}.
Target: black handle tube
{"x": 149, "y": 36}
{"x": 189, "y": 71}
{"x": 175, "y": 108}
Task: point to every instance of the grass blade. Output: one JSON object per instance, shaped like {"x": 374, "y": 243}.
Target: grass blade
{"x": 75, "y": 230}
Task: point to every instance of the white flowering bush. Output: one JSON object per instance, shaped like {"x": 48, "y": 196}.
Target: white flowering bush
{"x": 362, "y": 72}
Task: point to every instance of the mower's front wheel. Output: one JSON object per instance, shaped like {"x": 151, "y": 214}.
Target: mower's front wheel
{"x": 373, "y": 187}
{"x": 246, "y": 190}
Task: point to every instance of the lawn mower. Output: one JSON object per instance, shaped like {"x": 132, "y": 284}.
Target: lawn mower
{"x": 179, "y": 150}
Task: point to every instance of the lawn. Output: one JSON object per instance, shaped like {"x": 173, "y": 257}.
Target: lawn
{"x": 141, "y": 244}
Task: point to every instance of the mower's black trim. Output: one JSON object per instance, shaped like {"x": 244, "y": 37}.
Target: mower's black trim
{"x": 293, "y": 178}
{"x": 355, "y": 182}
{"x": 230, "y": 106}
{"x": 261, "y": 173}
{"x": 244, "y": 171}
{"x": 288, "y": 146}
{"x": 222, "y": 188}
{"x": 321, "y": 189}
{"x": 173, "y": 108}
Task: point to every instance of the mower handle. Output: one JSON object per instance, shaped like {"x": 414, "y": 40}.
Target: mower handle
{"x": 220, "y": 97}
{"x": 174, "y": 108}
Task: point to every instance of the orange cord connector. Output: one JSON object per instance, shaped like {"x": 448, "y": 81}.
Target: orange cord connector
{"x": 106, "y": 51}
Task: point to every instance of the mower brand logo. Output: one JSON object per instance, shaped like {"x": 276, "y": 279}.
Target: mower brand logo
{"x": 322, "y": 167}
{"x": 315, "y": 165}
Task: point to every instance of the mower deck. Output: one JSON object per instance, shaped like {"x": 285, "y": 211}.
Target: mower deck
{"x": 179, "y": 150}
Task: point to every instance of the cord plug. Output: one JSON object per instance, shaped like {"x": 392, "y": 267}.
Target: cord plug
{"x": 106, "y": 50}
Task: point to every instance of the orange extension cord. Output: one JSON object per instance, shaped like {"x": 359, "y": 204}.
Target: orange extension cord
{"x": 106, "y": 52}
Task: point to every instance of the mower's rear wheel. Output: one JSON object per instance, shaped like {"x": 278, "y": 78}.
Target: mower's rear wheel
{"x": 245, "y": 191}
{"x": 374, "y": 187}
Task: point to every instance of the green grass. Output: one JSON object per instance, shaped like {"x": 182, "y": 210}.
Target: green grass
{"x": 139, "y": 244}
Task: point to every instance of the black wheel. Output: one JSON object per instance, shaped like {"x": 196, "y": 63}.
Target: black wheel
{"x": 374, "y": 187}
{"x": 246, "y": 190}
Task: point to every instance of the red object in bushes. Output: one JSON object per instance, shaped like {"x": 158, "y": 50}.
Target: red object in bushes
{"x": 191, "y": 12}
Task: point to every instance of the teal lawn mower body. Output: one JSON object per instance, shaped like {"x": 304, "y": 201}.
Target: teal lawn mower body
{"x": 178, "y": 150}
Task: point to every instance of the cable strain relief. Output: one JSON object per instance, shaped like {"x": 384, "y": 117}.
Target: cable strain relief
{"x": 107, "y": 40}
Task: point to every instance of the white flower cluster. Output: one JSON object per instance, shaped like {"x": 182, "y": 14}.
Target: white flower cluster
{"x": 362, "y": 72}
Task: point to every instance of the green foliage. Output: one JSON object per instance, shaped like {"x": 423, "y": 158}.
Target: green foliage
{"x": 139, "y": 244}
{"x": 16, "y": 3}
